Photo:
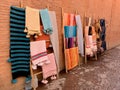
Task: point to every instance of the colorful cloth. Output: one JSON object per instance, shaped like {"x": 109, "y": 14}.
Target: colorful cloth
{"x": 72, "y": 57}
{"x": 69, "y": 19}
{"x": 44, "y": 36}
{"x": 90, "y": 36}
{"x": 39, "y": 53}
{"x": 48, "y": 29}
{"x": 49, "y": 69}
{"x": 32, "y": 22}
{"x": 55, "y": 40}
{"x": 70, "y": 31}
{"x": 19, "y": 45}
{"x": 80, "y": 35}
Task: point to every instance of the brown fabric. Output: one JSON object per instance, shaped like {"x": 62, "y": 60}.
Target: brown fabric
{"x": 44, "y": 37}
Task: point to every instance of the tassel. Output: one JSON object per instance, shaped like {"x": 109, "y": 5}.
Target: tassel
{"x": 9, "y": 60}
{"x": 40, "y": 64}
{"x": 47, "y": 62}
{"x": 14, "y": 81}
{"x": 36, "y": 36}
{"x": 25, "y": 30}
{"x": 40, "y": 34}
{"x": 44, "y": 81}
{"x": 53, "y": 77}
{"x": 28, "y": 36}
{"x": 34, "y": 67}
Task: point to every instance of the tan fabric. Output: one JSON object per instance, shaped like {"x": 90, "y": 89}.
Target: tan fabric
{"x": 32, "y": 21}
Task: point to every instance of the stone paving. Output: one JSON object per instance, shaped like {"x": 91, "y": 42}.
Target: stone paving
{"x": 103, "y": 74}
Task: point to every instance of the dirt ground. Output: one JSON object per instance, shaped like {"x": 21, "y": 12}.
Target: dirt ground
{"x": 103, "y": 74}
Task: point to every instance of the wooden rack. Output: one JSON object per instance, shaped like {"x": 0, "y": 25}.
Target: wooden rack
{"x": 64, "y": 41}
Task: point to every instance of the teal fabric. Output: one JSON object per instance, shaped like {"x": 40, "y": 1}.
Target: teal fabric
{"x": 46, "y": 21}
{"x": 19, "y": 44}
{"x": 70, "y": 31}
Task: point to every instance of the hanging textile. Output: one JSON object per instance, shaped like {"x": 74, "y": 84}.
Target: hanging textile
{"x": 103, "y": 33}
{"x": 54, "y": 39}
{"x": 70, "y": 31}
{"x": 69, "y": 20}
{"x": 90, "y": 36}
{"x": 38, "y": 53}
{"x": 80, "y": 35}
{"x": 44, "y": 37}
{"x": 70, "y": 40}
{"x": 19, "y": 45}
{"x": 48, "y": 29}
{"x": 49, "y": 69}
{"x": 32, "y": 22}
{"x": 72, "y": 57}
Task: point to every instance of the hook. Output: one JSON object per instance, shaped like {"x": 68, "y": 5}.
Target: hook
{"x": 21, "y": 3}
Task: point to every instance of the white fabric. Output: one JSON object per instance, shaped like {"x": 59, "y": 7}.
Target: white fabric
{"x": 54, "y": 38}
{"x": 79, "y": 35}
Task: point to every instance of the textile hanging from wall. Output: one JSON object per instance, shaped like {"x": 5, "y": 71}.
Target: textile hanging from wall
{"x": 103, "y": 33}
{"x": 54, "y": 38}
{"x": 32, "y": 22}
{"x": 100, "y": 29}
{"x": 46, "y": 21}
{"x": 38, "y": 53}
{"x": 80, "y": 35}
{"x": 91, "y": 44}
{"x": 70, "y": 41}
{"x": 19, "y": 45}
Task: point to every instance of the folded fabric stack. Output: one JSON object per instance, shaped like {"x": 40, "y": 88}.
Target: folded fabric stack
{"x": 19, "y": 45}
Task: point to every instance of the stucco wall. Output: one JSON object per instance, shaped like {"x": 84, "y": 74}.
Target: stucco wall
{"x": 108, "y": 9}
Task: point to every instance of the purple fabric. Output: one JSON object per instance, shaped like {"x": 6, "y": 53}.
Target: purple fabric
{"x": 71, "y": 42}
{"x": 66, "y": 43}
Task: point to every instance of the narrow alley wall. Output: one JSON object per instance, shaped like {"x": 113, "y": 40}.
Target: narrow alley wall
{"x": 108, "y": 9}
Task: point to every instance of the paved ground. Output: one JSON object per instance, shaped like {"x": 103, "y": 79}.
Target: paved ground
{"x": 103, "y": 74}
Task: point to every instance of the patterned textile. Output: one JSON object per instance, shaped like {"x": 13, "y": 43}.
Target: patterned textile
{"x": 19, "y": 44}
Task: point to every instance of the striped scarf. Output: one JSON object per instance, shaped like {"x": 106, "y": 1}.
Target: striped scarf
{"x": 19, "y": 44}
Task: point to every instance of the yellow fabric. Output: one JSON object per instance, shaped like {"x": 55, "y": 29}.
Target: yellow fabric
{"x": 68, "y": 62}
{"x": 72, "y": 57}
{"x": 32, "y": 21}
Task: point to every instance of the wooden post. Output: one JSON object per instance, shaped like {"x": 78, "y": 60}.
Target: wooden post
{"x": 77, "y": 42}
{"x": 84, "y": 24}
{"x": 64, "y": 41}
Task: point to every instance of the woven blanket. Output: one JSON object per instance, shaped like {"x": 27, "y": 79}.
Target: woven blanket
{"x": 19, "y": 44}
